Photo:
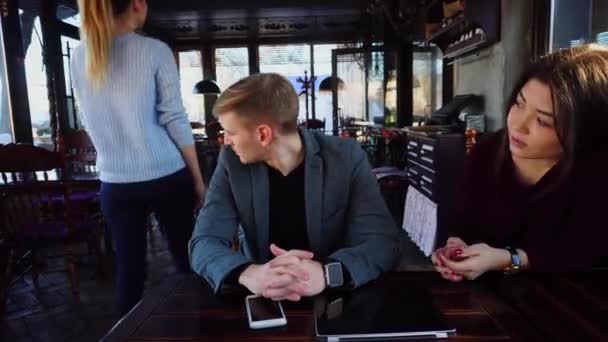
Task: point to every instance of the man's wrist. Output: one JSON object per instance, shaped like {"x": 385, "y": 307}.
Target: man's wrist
{"x": 322, "y": 265}
{"x": 244, "y": 273}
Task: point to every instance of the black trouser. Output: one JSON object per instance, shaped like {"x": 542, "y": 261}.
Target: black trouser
{"x": 125, "y": 207}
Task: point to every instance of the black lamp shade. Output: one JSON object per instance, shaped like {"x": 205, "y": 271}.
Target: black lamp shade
{"x": 326, "y": 84}
{"x": 206, "y": 87}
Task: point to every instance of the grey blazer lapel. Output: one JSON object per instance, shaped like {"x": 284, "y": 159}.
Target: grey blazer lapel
{"x": 260, "y": 190}
{"x": 313, "y": 182}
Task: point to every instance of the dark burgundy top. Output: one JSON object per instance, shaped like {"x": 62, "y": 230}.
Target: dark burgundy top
{"x": 560, "y": 223}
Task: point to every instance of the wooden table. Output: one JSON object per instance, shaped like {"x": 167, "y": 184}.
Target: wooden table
{"x": 516, "y": 308}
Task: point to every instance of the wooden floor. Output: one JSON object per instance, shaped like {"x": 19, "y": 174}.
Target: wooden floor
{"x": 50, "y": 315}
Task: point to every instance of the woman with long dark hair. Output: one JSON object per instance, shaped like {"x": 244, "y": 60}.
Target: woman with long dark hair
{"x": 127, "y": 87}
{"x": 534, "y": 195}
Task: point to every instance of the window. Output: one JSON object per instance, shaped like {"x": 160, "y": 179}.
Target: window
{"x": 323, "y": 99}
{"x": 390, "y": 98}
{"x": 68, "y": 15}
{"x": 6, "y": 135}
{"x": 351, "y": 100}
{"x": 357, "y": 99}
{"x": 291, "y": 61}
{"x": 67, "y": 46}
{"x": 427, "y": 82}
{"x": 599, "y": 22}
{"x": 231, "y": 64}
{"x": 375, "y": 87}
{"x": 576, "y": 22}
{"x": 36, "y": 80}
{"x": 191, "y": 72}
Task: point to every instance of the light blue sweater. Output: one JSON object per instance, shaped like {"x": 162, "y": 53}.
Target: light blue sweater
{"x": 136, "y": 118}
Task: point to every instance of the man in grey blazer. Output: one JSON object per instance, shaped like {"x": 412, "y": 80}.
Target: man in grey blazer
{"x": 309, "y": 206}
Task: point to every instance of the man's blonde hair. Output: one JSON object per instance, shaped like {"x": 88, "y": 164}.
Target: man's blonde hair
{"x": 259, "y": 97}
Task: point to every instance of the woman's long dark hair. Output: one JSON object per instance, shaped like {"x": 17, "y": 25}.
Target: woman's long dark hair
{"x": 578, "y": 79}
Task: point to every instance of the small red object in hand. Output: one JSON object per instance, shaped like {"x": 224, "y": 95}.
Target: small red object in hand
{"x": 452, "y": 253}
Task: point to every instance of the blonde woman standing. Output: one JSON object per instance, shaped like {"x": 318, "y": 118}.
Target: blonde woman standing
{"x": 127, "y": 86}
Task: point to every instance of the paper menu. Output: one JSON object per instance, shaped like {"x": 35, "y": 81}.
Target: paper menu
{"x": 420, "y": 220}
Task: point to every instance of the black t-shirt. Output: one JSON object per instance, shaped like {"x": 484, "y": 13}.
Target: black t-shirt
{"x": 287, "y": 209}
{"x": 287, "y": 216}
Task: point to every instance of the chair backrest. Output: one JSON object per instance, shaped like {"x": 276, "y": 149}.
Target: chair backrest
{"x": 315, "y": 124}
{"x": 22, "y": 162}
{"x": 33, "y": 190}
{"x": 208, "y": 154}
{"x": 82, "y": 156}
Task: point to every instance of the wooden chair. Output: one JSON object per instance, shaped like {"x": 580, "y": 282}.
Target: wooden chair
{"x": 208, "y": 153}
{"x": 81, "y": 154}
{"x": 38, "y": 209}
{"x": 315, "y": 124}
{"x": 82, "y": 163}
{"x": 6, "y": 255}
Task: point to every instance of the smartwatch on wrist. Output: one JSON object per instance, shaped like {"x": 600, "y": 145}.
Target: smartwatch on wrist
{"x": 333, "y": 274}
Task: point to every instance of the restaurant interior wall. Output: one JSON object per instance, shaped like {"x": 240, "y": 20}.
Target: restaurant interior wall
{"x": 487, "y": 74}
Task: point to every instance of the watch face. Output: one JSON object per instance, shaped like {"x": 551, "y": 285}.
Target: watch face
{"x": 334, "y": 274}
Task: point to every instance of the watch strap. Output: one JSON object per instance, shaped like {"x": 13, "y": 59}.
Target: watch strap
{"x": 515, "y": 265}
{"x": 329, "y": 282}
